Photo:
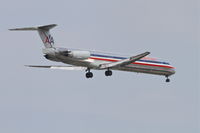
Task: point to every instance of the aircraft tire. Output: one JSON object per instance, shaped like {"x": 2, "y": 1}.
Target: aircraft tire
{"x": 108, "y": 73}
{"x": 89, "y": 75}
{"x": 167, "y": 80}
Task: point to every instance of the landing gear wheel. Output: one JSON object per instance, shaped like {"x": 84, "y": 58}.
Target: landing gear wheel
{"x": 89, "y": 74}
{"x": 167, "y": 80}
{"x": 108, "y": 73}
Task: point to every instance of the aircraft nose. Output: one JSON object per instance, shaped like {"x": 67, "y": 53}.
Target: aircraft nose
{"x": 172, "y": 71}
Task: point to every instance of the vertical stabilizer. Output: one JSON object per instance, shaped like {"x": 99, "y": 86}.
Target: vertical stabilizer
{"x": 44, "y": 32}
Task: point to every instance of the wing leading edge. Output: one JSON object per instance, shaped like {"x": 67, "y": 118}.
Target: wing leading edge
{"x": 124, "y": 61}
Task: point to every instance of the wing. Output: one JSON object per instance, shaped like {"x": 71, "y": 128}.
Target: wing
{"x": 124, "y": 62}
{"x": 59, "y": 67}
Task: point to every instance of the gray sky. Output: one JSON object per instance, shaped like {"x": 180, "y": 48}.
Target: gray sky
{"x": 38, "y": 100}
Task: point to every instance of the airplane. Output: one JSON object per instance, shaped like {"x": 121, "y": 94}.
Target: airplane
{"x": 87, "y": 60}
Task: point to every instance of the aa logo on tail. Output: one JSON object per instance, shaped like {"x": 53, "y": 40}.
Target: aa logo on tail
{"x": 49, "y": 39}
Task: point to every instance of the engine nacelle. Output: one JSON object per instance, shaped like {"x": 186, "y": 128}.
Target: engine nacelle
{"x": 79, "y": 54}
{"x": 50, "y": 57}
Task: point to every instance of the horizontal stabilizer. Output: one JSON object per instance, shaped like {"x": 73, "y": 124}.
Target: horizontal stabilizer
{"x": 46, "y": 28}
{"x": 59, "y": 67}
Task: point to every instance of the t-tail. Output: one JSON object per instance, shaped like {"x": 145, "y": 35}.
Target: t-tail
{"x": 44, "y": 32}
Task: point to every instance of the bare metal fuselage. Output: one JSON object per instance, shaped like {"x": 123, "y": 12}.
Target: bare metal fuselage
{"x": 141, "y": 66}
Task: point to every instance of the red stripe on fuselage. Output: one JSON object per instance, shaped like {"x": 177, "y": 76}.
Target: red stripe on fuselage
{"x": 137, "y": 63}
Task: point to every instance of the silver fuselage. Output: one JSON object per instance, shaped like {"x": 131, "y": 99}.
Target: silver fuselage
{"x": 145, "y": 65}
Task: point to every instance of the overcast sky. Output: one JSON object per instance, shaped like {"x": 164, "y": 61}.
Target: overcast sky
{"x": 56, "y": 101}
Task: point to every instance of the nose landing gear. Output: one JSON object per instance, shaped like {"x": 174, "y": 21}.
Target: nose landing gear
{"x": 167, "y": 80}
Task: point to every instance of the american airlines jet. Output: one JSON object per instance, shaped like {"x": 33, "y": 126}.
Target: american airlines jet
{"x": 88, "y": 60}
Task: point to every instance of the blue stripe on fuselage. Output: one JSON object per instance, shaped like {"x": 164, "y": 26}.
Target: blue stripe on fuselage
{"x": 114, "y": 57}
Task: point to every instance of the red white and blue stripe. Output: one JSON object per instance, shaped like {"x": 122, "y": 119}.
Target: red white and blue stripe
{"x": 144, "y": 61}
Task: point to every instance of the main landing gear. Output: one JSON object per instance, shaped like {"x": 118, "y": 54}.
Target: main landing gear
{"x": 167, "y": 80}
{"x": 108, "y": 73}
{"x": 88, "y": 74}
